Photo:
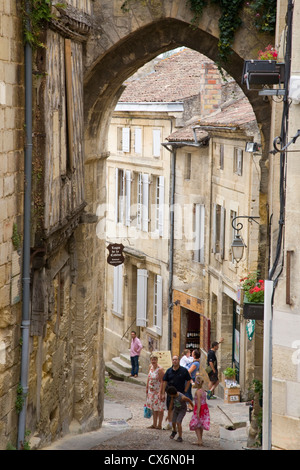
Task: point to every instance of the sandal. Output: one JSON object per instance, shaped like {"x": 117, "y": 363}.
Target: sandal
{"x": 179, "y": 439}
{"x": 173, "y": 434}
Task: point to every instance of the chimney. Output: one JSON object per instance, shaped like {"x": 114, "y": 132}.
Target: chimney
{"x": 210, "y": 88}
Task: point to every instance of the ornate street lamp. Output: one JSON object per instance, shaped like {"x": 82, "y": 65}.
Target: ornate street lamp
{"x": 238, "y": 245}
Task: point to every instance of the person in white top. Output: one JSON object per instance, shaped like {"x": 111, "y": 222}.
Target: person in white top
{"x": 186, "y": 359}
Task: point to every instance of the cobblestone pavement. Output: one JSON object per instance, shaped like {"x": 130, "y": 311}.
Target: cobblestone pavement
{"x": 139, "y": 437}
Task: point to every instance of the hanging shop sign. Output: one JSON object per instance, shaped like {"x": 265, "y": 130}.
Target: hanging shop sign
{"x": 115, "y": 257}
{"x": 250, "y": 327}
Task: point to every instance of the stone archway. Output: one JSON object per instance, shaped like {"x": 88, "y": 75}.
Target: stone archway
{"x": 123, "y": 42}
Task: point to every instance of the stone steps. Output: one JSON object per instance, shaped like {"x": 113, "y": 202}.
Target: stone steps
{"x": 119, "y": 368}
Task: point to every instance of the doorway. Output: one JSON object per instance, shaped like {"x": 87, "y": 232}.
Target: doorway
{"x": 190, "y": 330}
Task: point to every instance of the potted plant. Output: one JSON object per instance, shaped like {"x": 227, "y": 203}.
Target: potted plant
{"x": 254, "y": 290}
{"x": 229, "y": 373}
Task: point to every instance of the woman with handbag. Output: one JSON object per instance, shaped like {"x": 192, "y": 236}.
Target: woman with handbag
{"x": 193, "y": 369}
{"x": 153, "y": 400}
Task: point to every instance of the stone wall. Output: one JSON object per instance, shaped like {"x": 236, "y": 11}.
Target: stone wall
{"x": 11, "y": 202}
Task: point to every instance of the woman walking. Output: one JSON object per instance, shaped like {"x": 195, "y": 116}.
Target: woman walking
{"x": 153, "y": 400}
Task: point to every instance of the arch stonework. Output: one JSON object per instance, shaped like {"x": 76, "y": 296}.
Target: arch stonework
{"x": 122, "y": 42}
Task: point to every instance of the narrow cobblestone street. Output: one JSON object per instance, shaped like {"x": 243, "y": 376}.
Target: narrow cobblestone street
{"x": 137, "y": 436}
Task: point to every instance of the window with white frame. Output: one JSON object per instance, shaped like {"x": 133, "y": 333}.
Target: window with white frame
{"x": 199, "y": 225}
{"x": 143, "y": 202}
{"x": 123, "y": 139}
{"x": 118, "y": 289}
{"x": 218, "y": 231}
{"x": 142, "y": 299}
{"x": 157, "y": 304}
{"x": 156, "y": 139}
{"x": 238, "y": 161}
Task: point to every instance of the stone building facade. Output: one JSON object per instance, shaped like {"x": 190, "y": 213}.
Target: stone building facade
{"x": 107, "y": 46}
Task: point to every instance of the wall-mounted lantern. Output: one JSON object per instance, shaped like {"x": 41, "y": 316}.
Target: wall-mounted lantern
{"x": 238, "y": 245}
{"x": 258, "y": 73}
{"x": 253, "y": 147}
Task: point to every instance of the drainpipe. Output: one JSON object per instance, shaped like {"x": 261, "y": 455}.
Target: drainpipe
{"x": 171, "y": 248}
{"x": 26, "y": 240}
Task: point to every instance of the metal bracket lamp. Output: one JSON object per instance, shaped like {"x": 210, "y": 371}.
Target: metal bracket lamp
{"x": 253, "y": 147}
{"x": 238, "y": 245}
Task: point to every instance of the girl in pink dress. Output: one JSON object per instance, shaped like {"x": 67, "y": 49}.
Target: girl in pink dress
{"x": 153, "y": 401}
{"x": 201, "y": 418}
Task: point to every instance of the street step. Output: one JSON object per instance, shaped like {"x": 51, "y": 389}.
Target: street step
{"x": 118, "y": 373}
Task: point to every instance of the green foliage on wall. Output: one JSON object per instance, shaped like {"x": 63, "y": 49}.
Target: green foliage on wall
{"x": 36, "y": 14}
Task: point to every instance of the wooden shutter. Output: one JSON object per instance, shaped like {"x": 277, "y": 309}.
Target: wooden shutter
{"x": 117, "y": 195}
{"x": 145, "y": 205}
{"x": 138, "y": 140}
{"x": 199, "y": 233}
{"x": 118, "y": 288}
{"x": 141, "y": 305}
{"x": 156, "y": 142}
{"x": 139, "y": 201}
{"x": 222, "y": 232}
{"x": 127, "y": 197}
{"x": 214, "y": 229}
{"x": 161, "y": 197}
{"x": 126, "y": 139}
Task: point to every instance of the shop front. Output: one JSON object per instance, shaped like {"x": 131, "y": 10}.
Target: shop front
{"x": 190, "y": 328}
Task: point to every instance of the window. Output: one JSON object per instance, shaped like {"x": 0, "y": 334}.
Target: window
{"x": 159, "y": 205}
{"x": 157, "y": 304}
{"x": 221, "y": 156}
{"x": 141, "y": 303}
{"x": 118, "y": 289}
{"x": 123, "y": 139}
{"x": 187, "y": 166}
{"x": 156, "y": 142}
{"x": 199, "y": 224}
{"x": 143, "y": 202}
{"x": 138, "y": 140}
{"x": 218, "y": 229}
{"x": 238, "y": 161}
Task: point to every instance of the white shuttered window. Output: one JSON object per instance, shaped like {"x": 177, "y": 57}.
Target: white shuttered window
{"x": 118, "y": 289}
{"x": 138, "y": 140}
{"x": 141, "y": 305}
{"x": 156, "y": 142}
{"x": 126, "y": 139}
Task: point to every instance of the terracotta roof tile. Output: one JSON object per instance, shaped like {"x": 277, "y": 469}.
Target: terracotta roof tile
{"x": 173, "y": 79}
{"x": 236, "y": 114}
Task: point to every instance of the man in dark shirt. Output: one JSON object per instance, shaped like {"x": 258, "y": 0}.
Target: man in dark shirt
{"x": 177, "y": 376}
{"x": 213, "y": 363}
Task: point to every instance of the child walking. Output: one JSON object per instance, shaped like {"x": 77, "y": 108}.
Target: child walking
{"x": 178, "y": 405}
{"x": 201, "y": 418}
